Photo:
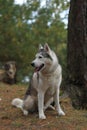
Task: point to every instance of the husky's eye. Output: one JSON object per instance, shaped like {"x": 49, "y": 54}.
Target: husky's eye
{"x": 40, "y": 57}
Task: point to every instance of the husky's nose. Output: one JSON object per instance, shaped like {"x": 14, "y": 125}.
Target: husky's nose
{"x": 33, "y": 64}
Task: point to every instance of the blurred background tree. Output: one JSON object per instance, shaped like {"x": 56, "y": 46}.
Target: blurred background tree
{"x": 24, "y": 27}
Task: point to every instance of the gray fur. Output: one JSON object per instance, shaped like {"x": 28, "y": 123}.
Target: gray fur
{"x": 45, "y": 84}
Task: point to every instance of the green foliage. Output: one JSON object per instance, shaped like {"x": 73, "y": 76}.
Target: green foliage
{"x": 24, "y": 27}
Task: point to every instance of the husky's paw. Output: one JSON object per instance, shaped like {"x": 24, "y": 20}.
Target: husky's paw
{"x": 25, "y": 112}
{"x": 41, "y": 116}
{"x": 61, "y": 113}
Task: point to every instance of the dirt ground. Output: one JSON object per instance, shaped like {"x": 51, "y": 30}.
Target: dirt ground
{"x": 12, "y": 118}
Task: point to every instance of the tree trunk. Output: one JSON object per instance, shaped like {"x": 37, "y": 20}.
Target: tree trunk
{"x": 77, "y": 53}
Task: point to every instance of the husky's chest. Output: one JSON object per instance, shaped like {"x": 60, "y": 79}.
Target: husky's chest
{"x": 50, "y": 80}
{"x": 48, "y": 83}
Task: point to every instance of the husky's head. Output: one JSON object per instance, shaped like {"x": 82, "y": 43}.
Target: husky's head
{"x": 44, "y": 59}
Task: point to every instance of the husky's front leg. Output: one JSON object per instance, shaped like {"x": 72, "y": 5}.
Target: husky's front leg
{"x": 58, "y": 107}
{"x": 41, "y": 105}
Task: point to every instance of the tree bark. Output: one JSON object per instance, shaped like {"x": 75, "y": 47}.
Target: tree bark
{"x": 77, "y": 53}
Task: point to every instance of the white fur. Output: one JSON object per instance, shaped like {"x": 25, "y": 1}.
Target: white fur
{"x": 17, "y": 102}
{"x": 46, "y": 82}
{"x": 50, "y": 77}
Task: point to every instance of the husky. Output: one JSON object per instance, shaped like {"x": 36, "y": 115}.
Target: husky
{"x": 44, "y": 86}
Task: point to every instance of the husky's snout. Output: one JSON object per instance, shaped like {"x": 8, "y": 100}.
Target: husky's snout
{"x": 37, "y": 67}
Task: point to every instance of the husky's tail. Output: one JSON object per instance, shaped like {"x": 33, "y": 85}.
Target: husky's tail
{"x": 17, "y": 103}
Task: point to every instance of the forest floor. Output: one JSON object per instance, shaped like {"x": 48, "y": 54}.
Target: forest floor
{"x": 12, "y": 118}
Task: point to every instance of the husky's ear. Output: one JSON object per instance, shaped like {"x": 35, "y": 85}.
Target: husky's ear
{"x": 40, "y": 47}
{"x": 46, "y": 47}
